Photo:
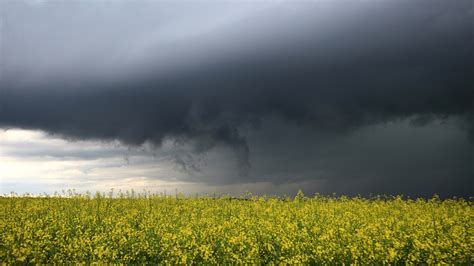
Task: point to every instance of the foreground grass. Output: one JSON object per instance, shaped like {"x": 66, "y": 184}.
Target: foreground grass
{"x": 147, "y": 228}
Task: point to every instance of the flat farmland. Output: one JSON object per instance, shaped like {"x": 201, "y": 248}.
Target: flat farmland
{"x": 134, "y": 228}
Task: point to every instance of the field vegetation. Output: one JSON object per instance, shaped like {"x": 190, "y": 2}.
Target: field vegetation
{"x": 136, "y": 228}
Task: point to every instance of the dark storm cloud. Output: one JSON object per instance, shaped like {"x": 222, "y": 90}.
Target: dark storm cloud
{"x": 149, "y": 71}
{"x": 394, "y": 158}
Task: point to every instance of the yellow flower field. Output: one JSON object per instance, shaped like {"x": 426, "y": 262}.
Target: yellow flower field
{"x": 134, "y": 228}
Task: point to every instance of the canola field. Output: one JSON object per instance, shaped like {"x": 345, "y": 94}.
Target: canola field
{"x": 131, "y": 228}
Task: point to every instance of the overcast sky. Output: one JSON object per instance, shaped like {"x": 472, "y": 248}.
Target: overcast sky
{"x": 353, "y": 97}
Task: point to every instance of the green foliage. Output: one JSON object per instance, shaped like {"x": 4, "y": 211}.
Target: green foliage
{"x": 135, "y": 228}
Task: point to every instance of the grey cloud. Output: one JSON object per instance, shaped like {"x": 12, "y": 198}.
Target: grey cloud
{"x": 394, "y": 158}
{"x": 124, "y": 73}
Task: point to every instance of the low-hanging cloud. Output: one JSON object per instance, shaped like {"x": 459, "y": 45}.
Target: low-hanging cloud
{"x": 198, "y": 72}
